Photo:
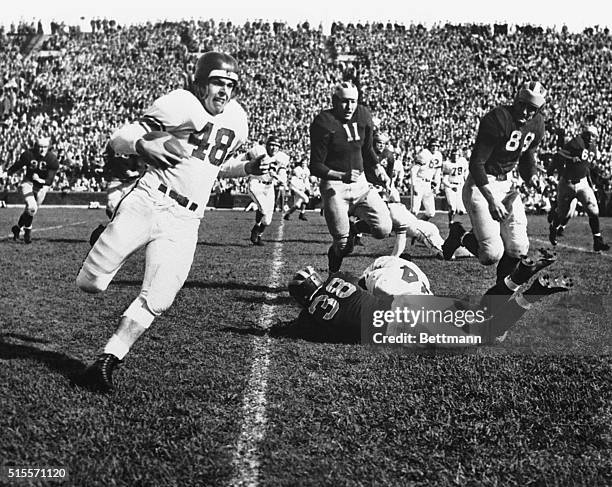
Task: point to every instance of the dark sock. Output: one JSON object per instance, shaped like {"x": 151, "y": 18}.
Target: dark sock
{"x": 594, "y": 224}
{"x": 505, "y": 266}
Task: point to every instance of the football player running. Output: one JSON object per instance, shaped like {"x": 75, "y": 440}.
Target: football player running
{"x": 345, "y": 305}
{"x": 299, "y": 185}
{"x": 507, "y": 136}
{"x": 573, "y": 162}
{"x": 454, "y": 173}
{"x": 41, "y": 166}
{"x": 425, "y": 177}
{"x": 163, "y": 211}
{"x": 340, "y": 150}
{"x": 261, "y": 187}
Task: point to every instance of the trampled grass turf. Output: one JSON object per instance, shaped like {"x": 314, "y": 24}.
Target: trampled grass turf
{"x": 534, "y": 411}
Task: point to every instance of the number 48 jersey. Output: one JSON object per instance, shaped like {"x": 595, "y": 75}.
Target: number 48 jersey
{"x": 210, "y": 139}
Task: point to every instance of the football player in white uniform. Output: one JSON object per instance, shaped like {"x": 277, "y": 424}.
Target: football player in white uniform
{"x": 425, "y": 177}
{"x": 454, "y": 173}
{"x": 163, "y": 211}
{"x": 299, "y": 185}
{"x": 261, "y": 188}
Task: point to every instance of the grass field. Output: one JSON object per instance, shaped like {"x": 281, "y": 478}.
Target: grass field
{"x": 206, "y": 397}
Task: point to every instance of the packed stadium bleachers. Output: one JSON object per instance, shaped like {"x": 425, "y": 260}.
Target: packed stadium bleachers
{"x": 419, "y": 81}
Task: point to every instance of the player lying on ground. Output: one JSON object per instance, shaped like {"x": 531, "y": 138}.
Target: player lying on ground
{"x": 349, "y": 305}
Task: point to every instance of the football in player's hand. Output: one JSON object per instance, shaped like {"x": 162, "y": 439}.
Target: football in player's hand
{"x": 171, "y": 144}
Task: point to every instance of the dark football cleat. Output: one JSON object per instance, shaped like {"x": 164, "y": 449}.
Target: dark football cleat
{"x": 27, "y": 235}
{"x": 552, "y": 235}
{"x": 287, "y": 216}
{"x": 15, "y": 231}
{"x": 99, "y": 375}
{"x": 258, "y": 242}
{"x": 599, "y": 244}
{"x": 358, "y": 242}
{"x": 406, "y": 256}
{"x": 255, "y": 235}
{"x": 453, "y": 241}
{"x": 560, "y": 231}
{"x": 334, "y": 262}
{"x": 303, "y": 217}
{"x": 95, "y": 235}
{"x": 545, "y": 285}
{"x": 527, "y": 267}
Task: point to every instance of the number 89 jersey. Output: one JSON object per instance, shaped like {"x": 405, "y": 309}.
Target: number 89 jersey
{"x": 501, "y": 140}
{"x": 211, "y": 140}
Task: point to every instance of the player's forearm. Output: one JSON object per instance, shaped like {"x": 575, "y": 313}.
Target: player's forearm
{"x": 485, "y": 189}
{"x": 527, "y": 166}
{"x": 123, "y": 140}
{"x": 237, "y": 167}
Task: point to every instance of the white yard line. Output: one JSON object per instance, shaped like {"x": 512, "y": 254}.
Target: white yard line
{"x": 44, "y": 229}
{"x": 246, "y": 457}
{"x": 572, "y": 247}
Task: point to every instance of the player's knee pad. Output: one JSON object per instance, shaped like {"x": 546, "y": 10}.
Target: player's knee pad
{"x": 91, "y": 283}
{"x": 32, "y": 209}
{"x": 161, "y": 296}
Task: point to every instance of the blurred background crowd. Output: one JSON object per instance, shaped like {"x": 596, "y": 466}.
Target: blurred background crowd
{"x": 420, "y": 82}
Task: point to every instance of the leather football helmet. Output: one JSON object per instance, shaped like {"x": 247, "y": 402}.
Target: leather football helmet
{"x": 532, "y": 93}
{"x": 304, "y": 284}
{"x": 215, "y": 65}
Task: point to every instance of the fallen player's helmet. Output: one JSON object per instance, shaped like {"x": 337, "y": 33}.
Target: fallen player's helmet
{"x": 393, "y": 276}
{"x": 304, "y": 284}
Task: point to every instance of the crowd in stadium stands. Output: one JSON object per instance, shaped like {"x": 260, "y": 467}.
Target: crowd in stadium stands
{"x": 419, "y": 82}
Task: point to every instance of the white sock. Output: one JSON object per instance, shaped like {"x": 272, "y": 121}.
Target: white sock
{"x": 117, "y": 347}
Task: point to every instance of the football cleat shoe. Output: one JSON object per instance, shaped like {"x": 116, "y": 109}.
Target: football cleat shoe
{"x": 255, "y": 235}
{"x": 358, "y": 242}
{"x": 287, "y": 216}
{"x": 527, "y": 267}
{"x": 27, "y": 235}
{"x": 552, "y": 235}
{"x": 453, "y": 241}
{"x": 303, "y": 217}
{"x": 15, "y": 231}
{"x": 560, "y": 231}
{"x": 406, "y": 256}
{"x": 95, "y": 235}
{"x": 599, "y": 244}
{"x": 334, "y": 262}
{"x": 546, "y": 285}
{"x": 99, "y": 375}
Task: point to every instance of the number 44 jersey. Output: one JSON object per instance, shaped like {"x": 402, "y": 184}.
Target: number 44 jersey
{"x": 210, "y": 139}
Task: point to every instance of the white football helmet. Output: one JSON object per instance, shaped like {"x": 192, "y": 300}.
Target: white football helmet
{"x": 393, "y": 276}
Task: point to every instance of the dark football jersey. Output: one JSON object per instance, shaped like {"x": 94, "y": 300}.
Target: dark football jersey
{"x": 387, "y": 160}
{"x": 501, "y": 142}
{"x": 341, "y": 303}
{"x": 576, "y": 148}
{"x": 121, "y": 167}
{"x": 44, "y": 167}
{"x": 339, "y": 145}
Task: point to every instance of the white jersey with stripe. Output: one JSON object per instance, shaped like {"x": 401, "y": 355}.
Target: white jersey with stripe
{"x": 428, "y": 164}
{"x": 212, "y": 140}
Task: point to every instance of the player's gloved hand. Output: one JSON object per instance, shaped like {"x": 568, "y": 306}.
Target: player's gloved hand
{"x": 351, "y": 176}
{"x": 382, "y": 175}
{"x": 498, "y": 210}
{"x": 258, "y": 166}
